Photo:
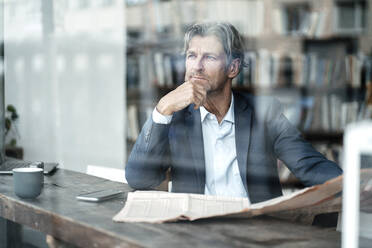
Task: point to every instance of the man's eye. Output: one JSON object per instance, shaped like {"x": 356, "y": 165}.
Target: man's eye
{"x": 190, "y": 56}
{"x": 211, "y": 58}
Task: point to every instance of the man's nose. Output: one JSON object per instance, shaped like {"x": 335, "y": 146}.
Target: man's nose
{"x": 198, "y": 65}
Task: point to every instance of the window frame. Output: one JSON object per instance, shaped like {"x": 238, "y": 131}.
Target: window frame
{"x": 357, "y": 14}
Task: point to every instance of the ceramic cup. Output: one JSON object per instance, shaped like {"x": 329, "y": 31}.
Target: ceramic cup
{"x": 28, "y": 182}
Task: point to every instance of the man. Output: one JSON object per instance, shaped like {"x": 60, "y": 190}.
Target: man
{"x": 217, "y": 141}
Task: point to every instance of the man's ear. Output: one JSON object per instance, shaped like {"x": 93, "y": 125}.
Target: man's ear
{"x": 233, "y": 69}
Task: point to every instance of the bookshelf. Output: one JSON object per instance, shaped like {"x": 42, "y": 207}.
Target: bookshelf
{"x": 301, "y": 51}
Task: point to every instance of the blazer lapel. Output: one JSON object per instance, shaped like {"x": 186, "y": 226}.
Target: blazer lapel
{"x": 195, "y": 138}
{"x": 243, "y": 119}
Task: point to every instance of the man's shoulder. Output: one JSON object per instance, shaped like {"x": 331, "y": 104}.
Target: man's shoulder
{"x": 257, "y": 103}
{"x": 263, "y": 107}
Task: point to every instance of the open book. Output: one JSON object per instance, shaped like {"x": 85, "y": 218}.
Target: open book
{"x": 158, "y": 207}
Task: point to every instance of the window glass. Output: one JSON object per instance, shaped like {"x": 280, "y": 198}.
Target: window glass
{"x": 347, "y": 15}
{"x": 296, "y": 18}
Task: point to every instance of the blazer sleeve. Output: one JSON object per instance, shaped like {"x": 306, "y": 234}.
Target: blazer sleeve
{"x": 307, "y": 164}
{"x": 149, "y": 158}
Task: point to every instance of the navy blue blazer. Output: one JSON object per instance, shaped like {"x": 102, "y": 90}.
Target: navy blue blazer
{"x": 262, "y": 133}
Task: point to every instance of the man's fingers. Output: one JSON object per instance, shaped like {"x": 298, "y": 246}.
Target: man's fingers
{"x": 196, "y": 93}
{"x": 199, "y": 87}
{"x": 201, "y": 93}
{"x": 199, "y": 98}
{"x": 186, "y": 94}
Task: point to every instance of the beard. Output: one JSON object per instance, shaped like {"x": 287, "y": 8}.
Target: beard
{"x": 200, "y": 79}
{"x": 212, "y": 85}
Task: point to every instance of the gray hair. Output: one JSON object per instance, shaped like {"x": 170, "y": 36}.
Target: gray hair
{"x": 229, "y": 36}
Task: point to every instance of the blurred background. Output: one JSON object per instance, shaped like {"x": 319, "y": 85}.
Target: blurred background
{"x": 84, "y": 75}
{"x": 81, "y": 76}
{"x": 65, "y": 75}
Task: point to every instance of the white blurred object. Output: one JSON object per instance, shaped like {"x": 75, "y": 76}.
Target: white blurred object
{"x": 357, "y": 154}
{"x": 170, "y": 186}
{"x": 65, "y": 72}
{"x": 113, "y": 174}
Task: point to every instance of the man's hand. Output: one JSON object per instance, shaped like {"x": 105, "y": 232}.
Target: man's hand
{"x": 184, "y": 95}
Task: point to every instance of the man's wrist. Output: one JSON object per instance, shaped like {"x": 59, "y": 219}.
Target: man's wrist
{"x": 162, "y": 108}
{"x": 159, "y": 118}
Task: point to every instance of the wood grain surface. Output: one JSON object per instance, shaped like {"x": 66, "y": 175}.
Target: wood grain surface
{"x": 57, "y": 212}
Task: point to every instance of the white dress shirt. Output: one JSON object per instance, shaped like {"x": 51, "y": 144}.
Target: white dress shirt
{"x": 221, "y": 165}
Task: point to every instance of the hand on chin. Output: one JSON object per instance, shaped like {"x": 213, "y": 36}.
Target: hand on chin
{"x": 201, "y": 81}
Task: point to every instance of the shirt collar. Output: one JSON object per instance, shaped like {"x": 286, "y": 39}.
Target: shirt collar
{"x": 228, "y": 117}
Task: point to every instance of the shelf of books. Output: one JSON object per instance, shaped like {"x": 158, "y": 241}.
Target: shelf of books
{"x": 305, "y": 53}
{"x": 312, "y": 89}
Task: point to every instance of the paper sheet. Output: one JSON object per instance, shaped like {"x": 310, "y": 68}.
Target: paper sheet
{"x": 158, "y": 207}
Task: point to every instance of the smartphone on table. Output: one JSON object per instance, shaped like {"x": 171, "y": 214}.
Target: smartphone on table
{"x": 101, "y": 195}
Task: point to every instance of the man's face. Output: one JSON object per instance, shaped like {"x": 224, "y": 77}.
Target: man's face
{"x": 206, "y": 63}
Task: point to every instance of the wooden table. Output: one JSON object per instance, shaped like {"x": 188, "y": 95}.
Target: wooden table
{"x": 58, "y": 213}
